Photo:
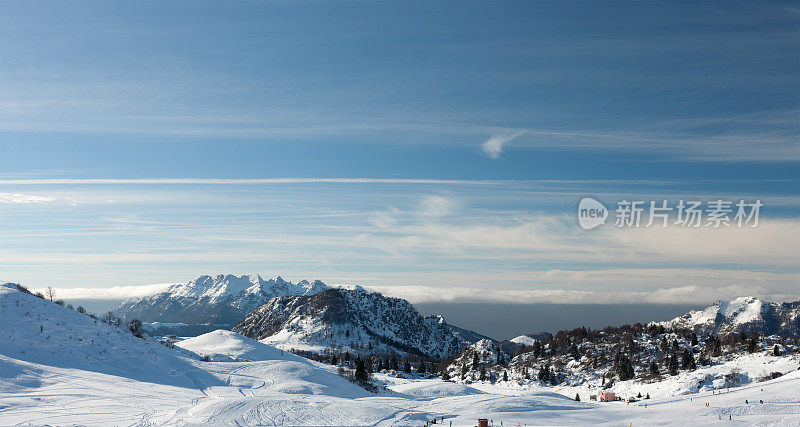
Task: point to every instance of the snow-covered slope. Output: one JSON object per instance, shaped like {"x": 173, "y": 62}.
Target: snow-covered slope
{"x": 225, "y": 346}
{"x": 41, "y": 332}
{"x": 357, "y": 320}
{"x": 745, "y": 314}
{"x": 220, "y": 300}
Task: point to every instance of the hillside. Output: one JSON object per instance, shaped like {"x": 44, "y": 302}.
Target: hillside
{"x": 616, "y": 357}
{"x": 38, "y": 331}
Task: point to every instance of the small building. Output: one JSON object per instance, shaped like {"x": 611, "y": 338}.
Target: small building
{"x": 607, "y": 397}
{"x": 483, "y": 422}
{"x": 592, "y": 397}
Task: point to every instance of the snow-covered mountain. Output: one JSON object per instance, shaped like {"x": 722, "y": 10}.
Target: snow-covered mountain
{"x": 356, "y": 320}
{"x": 219, "y": 300}
{"x": 745, "y": 314}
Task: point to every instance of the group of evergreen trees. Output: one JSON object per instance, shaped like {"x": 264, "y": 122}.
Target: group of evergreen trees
{"x": 375, "y": 362}
{"x": 646, "y": 351}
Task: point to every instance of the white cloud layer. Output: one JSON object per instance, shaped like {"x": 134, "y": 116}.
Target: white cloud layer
{"x": 19, "y": 198}
{"x": 115, "y": 292}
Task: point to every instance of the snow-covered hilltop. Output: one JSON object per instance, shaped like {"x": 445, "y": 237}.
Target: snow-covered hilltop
{"x": 529, "y": 339}
{"x": 353, "y": 320}
{"x": 221, "y": 300}
{"x": 745, "y": 314}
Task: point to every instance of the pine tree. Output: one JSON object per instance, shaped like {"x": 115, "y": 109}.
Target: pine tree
{"x": 362, "y": 376}
{"x": 544, "y": 373}
{"x": 334, "y": 361}
{"x": 776, "y": 351}
{"x": 688, "y": 360}
{"x": 445, "y": 375}
{"x": 624, "y": 369}
{"x": 577, "y": 397}
{"x": 475, "y": 361}
{"x": 393, "y": 364}
{"x": 463, "y": 372}
{"x": 694, "y": 339}
{"x": 505, "y": 376}
{"x": 654, "y": 369}
{"x": 574, "y": 351}
{"x": 483, "y": 373}
{"x": 407, "y": 366}
{"x": 717, "y": 350}
{"x": 752, "y": 345}
{"x": 421, "y": 367}
{"x": 672, "y": 364}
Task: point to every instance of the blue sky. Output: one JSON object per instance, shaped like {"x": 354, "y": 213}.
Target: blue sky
{"x": 509, "y": 112}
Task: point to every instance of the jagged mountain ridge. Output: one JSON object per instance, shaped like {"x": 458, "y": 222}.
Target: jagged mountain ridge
{"x": 222, "y": 299}
{"x": 744, "y": 314}
{"x": 361, "y": 321}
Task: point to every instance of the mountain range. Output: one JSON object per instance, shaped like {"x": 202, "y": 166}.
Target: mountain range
{"x": 311, "y": 316}
{"x": 223, "y": 300}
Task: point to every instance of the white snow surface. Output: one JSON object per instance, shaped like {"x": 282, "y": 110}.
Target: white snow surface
{"x": 224, "y": 345}
{"x": 61, "y": 367}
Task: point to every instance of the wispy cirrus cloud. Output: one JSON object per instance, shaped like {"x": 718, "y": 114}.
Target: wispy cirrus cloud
{"x": 19, "y": 198}
{"x": 494, "y": 145}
